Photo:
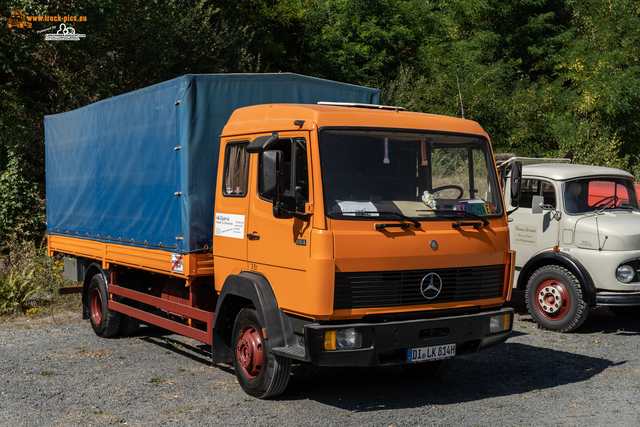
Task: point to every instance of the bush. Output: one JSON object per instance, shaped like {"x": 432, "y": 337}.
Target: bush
{"x": 29, "y": 278}
{"x": 16, "y": 288}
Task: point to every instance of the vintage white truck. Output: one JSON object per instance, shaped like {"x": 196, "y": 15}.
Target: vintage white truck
{"x": 576, "y": 233}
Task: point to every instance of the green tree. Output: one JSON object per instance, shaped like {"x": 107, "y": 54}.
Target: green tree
{"x": 22, "y": 211}
{"x": 359, "y": 41}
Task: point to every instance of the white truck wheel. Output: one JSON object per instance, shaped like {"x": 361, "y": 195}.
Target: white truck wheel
{"x": 554, "y": 299}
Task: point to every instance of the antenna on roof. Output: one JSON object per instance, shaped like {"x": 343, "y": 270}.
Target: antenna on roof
{"x": 460, "y": 94}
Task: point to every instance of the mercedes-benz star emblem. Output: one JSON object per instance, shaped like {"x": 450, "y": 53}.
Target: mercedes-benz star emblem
{"x": 431, "y": 286}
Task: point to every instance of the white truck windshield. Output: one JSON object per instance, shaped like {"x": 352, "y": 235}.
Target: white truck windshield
{"x": 594, "y": 194}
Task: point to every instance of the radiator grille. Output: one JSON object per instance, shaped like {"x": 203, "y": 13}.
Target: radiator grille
{"x": 398, "y": 288}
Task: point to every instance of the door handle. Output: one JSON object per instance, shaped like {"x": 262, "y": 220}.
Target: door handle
{"x": 253, "y": 236}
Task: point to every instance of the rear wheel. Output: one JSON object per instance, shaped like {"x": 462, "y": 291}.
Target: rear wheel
{"x": 105, "y": 322}
{"x": 428, "y": 370}
{"x": 128, "y": 325}
{"x": 260, "y": 373}
{"x": 554, "y": 299}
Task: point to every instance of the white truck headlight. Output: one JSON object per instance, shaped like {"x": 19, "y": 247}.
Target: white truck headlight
{"x": 625, "y": 273}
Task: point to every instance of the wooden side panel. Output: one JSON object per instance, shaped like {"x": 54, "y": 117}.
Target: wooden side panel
{"x": 155, "y": 260}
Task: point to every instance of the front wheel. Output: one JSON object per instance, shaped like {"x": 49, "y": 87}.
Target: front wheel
{"x": 554, "y": 299}
{"x": 105, "y": 322}
{"x": 428, "y": 370}
{"x": 260, "y": 373}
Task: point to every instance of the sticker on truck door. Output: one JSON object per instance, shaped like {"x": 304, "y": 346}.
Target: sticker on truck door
{"x": 229, "y": 225}
{"x": 525, "y": 234}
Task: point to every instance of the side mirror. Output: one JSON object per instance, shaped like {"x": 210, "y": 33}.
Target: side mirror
{"x": 536, "y": 204}
{"x": 516, "y": 176}
{"x": 270, "y": 170}
{"x": 271, "y": 182}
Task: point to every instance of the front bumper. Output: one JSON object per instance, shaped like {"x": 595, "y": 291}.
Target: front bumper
{"x": 619, "y": 299}
{"x": 387, "y": 343}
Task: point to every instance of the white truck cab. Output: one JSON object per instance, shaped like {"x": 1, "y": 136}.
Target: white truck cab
{"x": 576, "y": 233}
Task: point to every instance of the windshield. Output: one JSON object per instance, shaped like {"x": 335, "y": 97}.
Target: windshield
{"x": 417, "y": 175}
{"x": 594, "y": 194}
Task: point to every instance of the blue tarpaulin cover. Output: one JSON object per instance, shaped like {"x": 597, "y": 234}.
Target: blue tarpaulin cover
{"x": 114, "y": 167}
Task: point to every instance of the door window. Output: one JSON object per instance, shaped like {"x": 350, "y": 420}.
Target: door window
{"x": 296, "y": 171}
{"x": 535, "y": 187}
{"x": 236, "y": 170}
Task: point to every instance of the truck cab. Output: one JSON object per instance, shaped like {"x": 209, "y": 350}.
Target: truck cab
{"x": 575, "y": 232}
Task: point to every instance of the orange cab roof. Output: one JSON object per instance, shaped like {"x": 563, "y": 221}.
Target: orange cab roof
{"x": 280, "y": 117}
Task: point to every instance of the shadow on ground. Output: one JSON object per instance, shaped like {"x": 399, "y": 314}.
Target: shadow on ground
{"x": 508, "y": 369}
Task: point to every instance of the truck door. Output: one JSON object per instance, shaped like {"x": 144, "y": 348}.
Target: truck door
{"x": 232, "y": 205}
{"x": 279, "y": 248}
{"x": 532, "y": 233}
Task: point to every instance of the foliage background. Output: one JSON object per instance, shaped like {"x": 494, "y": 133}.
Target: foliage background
{"x": 543, "y": 77}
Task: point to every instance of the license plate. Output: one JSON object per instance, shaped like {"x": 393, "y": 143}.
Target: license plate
{"x": 435, "y": 352}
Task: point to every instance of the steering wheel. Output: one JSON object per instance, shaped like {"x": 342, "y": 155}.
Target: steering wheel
{"x": 449, "y": 187}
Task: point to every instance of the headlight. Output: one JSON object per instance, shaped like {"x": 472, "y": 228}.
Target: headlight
{"x": 499, "y": 323}
{"x": 625, "y": 273}
{"x": 348, "y": 338}
{"x": 342, "y": 339}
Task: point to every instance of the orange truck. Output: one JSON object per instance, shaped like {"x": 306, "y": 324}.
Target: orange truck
{"x": 18, "y": 19}
{"x": 331, "y": 231}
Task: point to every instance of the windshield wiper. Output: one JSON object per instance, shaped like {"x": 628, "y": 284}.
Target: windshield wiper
{"x": 458, "y": 213}
{"x": 380, "y": 215}
{"x": 415, "y": 222}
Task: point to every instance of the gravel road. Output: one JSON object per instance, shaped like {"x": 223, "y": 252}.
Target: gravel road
{"x": 61, "y": 374}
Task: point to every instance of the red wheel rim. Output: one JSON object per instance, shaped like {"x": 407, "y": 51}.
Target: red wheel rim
{"x": 96, "y": 306}
{"x": 553, "y": 299}
{"x": 249, "y": 351}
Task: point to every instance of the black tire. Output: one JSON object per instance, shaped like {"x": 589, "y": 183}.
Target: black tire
{"x": 626, "y": 312}
{"x": 428, "y": 370}
{"x": 105, "y": 322}
{"x": 128, "y": 325}
{"x": 554, "y": 299}
{"x": 260, "y": 373}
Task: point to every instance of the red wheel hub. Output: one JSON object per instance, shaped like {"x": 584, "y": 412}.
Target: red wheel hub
{"x": 96, "y": 306}
{"x": 553, "y": 299}
{"x": 249, "y": 351}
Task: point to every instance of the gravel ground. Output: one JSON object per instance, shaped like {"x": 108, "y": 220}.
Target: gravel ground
{"x": 62, "y": 374}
